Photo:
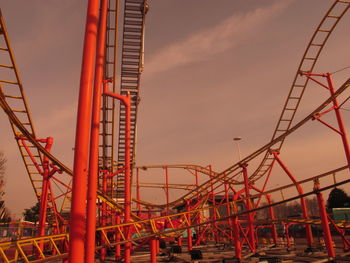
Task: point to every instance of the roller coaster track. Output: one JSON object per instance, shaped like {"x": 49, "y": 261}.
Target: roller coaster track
{"x": 307, "y": 64}
{"x": 309, "y": 59}
{"x": 13, "y": 93}
{"x": 131, "y": 68}
{"x": 30, "y": 250}
{"x": 224, "y": 176}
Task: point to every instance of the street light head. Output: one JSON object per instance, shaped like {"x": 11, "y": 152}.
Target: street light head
{"x": 237, "y": 138}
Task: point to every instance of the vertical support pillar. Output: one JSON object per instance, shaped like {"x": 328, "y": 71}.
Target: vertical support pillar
{"x": 138, "y": 196}
{"x": 80, "y": 170}
{"x": 167, "y": 190}
{"x": 189, "y": 230}
{"x": 249, "y": 207}
{"x": 104, "y": 215}
{"x": 126, "y": 100}
{"x": 45, "y": 189}
{"x": 117, "y": 238}
{"x": 215, "y": 231}
{"x": 302, "y": 199}
{"x": 287, "y": 235}
{"x": 94, "y": 140}
{"x": 153, "y": 248}
{"x": 324, "y": 219}
{"x": 339, "y": 120}
{"x": 272, "y": 216}
{"x": 228, "y": 209}
{"x": 127, "y": 200}
{"x": 235, "y": 229}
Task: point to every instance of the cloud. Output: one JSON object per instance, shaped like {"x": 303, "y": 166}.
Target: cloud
{"x": 214, "y": 40}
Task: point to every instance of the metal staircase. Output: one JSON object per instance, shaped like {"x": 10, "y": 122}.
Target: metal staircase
{"x": 131, "y": 68}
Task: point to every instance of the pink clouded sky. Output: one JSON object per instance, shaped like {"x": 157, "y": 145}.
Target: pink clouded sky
{"x": 214, "y": 70}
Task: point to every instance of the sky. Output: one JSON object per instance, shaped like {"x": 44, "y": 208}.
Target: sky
{"x": 214, "y": 70}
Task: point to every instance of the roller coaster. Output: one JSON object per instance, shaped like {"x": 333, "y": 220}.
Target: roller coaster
{"x": 87, "y": 213}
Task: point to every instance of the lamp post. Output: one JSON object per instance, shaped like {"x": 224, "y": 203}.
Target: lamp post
{"x": 237, "y": 139}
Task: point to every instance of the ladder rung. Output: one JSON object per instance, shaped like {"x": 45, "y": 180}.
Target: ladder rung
{"x": 332, "y": 16}
{"x": 132, "y": 43}
{"x": 20, "y": 111}
{"x": 132, "y": 23}
{"x": 13, "y": 97}
{"x": 316, "y": 45}
{"x": 5, "y": 66}
{"x": 133, "y": 15}
{"x": 9, "y": 82}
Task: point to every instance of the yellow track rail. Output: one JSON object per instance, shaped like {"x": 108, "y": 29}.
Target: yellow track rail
{"x": 55, "y": 247}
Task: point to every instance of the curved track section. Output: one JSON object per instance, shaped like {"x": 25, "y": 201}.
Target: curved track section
{"x": 308, "y": 62}
{"x": 12, "y": 90}
{"x": 17, "y": 123}
{"x": 225, "y": 175}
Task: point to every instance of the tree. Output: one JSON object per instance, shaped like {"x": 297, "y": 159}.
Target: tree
{"x": 32, "y": 214}
{"x": 338, "y": 198}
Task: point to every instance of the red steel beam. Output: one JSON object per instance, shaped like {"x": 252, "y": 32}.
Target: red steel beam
{"x": 80, "y": 168}
{"x": 94, "y": 140}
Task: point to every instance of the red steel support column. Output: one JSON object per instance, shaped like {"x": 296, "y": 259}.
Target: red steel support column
{"x": 189, "y": 230}
{"x": 94, "y": 140}
{"x": 104, "y": 214}
{"x": 235, "y": 228}
{"x": 302, "y": 200}
{"x": 167, "y": 190}
{"x": 214, "y": 203}
{"x": 228, "y": 209}
{"x": 249, "y": 207}
{"x": 126, "y": 100}
{"x": 138, "y": 196}
{"x": 153, "y": 248}
{"x": 80, "y": 170}
{"x": 117, "y": 238}
{"x": 339, "y": 119}
{"x": 325, "y": 224}
{"x": 272, "y": 216}
{"x": 287, "y": 235}
{"x": 45, "y": 189}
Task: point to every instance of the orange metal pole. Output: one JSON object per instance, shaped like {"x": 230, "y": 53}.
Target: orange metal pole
{"x": 94, "y": 140}
{"x": 117, "y": 238}
{"x": 126, "y": 100}
{"x": 80, "y": 170}
{"x": 302, "y": 199}
{"x": 45, "y": 189}
{"x": 339, "y": 119}
{"x": 189, "y": 230}
{"x": 153, "y": 248}
{"x": 324, "y": 219}
{"x": 249, "y": 207}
